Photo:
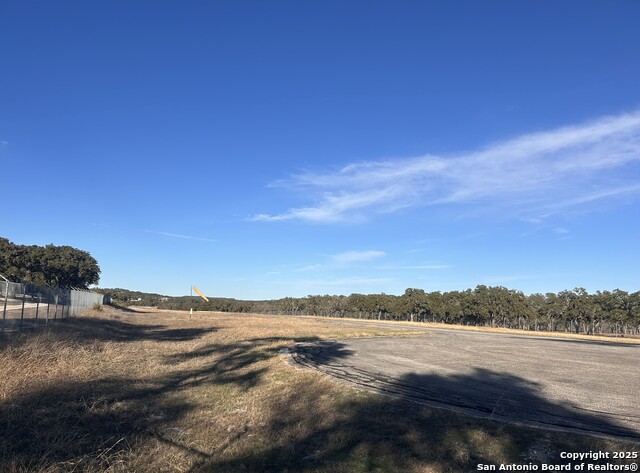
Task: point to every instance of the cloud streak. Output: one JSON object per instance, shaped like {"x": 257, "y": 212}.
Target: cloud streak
{"x": 344, "y": 259}
{"x": 349, "y": 257}
{"x": 418, "y": 267}
{"x": 183, "y": 237}
{"x": 534, "y": 174}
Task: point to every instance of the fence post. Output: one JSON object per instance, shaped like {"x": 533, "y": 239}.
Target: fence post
{"x": 6, "y": 298}
{"x": 46, "y": 317}
{"x": 67, "y": 299}
{"x": 62, "y": 309}
{"x": 24, "y": 297}
{"x": 37, "y": 309}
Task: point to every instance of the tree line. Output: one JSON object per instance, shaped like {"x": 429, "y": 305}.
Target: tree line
{"x": 576, "y": 311}
{"x": 49, "y": 265}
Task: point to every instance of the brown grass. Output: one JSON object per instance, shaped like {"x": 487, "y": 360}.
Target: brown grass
{"x": 474, "y": 328}
{"x": 153, "y": 391}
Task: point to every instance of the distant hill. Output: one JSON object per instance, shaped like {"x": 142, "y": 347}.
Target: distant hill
{"x": 126, "y": 297}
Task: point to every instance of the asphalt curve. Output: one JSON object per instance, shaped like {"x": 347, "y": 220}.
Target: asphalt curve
{"x": 574, "y": 385}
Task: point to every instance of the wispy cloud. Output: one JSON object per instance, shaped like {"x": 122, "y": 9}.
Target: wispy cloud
{"x": 418, "y": 266}
{"x": 349, "y": 257}
{"x": 343, "y": 259}
{"x": 534, "y": 174}
{"x": 3, "y": 143}
{"x": 308, "y": 267}
{"x": 177, "y": 235}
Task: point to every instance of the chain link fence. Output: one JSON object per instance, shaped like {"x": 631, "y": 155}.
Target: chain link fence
{"x": 28, "y": 306}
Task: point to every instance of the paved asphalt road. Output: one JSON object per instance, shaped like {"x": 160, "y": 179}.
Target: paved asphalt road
{"x": 554, "y": 383}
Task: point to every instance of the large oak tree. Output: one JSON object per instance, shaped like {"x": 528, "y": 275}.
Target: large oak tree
{"x": 50, "y": 265}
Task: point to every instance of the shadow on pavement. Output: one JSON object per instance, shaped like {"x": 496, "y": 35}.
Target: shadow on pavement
{"x": 482, "y": 392}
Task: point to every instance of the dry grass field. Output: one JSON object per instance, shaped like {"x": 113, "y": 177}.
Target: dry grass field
{"x": 153, "y": 391}
{"x": 474, "y": 328}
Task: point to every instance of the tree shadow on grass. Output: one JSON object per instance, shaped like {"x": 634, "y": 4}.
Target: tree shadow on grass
{"x": 83, "y": 424}
{"x": 242, "y": 350}
{"x": 87, "y": 424}
{"x": 78, "y": 425}
{"x": 233, "y": 362}
{"x": 130, "y": 310}
{"x": 120, "y": 331}
{"x": 87, "y": 329}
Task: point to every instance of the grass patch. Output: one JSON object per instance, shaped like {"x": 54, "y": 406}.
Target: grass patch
{"x": 474, "y": 328}
{"x": 122, "y": 391}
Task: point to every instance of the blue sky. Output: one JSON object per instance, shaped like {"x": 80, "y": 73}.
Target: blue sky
{"x": 271, "y": 149}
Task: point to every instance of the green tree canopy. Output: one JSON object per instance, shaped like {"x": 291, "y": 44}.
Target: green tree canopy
{"x": 51, "y": 265}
